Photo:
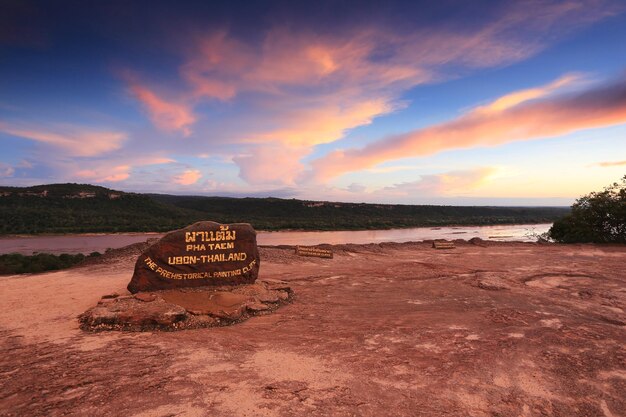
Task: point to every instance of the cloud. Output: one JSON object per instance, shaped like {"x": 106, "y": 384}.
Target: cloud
{"x": 273, "y": 164}
{"x": 6, "y": 170}
{"x": 322, "y": 123}
{"x": 551, "y": 116}
{"x": 75, "y": 140}
{"x": 305, "y": 61}
{"x": 356, "y": 188}
{"x": 395, "y": 168}
{"x": 109, "y": 170}
{"x": 114, "y": 174}
{"x": 452, "y": 186}
{"x": 166, "y": 115}
{"x": 449, "y": 183}
{"x": 188, "y": 177}
{"x": 302, "y": 87}
{"x": 611, "y": 164}
{"x": 519, "y": 97}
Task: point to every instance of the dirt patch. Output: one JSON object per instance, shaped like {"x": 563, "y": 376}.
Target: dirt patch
{"x": 559, "y": 281}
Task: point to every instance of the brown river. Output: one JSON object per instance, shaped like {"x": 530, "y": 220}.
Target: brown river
{"x": 87, "y": 243}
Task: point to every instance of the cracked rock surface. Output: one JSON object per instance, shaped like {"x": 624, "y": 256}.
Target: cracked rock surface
{"x": 392, "y": 329}
{"x": 184, "y": 308}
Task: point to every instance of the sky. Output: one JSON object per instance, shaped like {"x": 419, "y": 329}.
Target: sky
{"x": 409, "y": 102}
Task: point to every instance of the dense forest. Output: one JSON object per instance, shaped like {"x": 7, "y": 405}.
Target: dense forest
{"x": 78, "y": 208}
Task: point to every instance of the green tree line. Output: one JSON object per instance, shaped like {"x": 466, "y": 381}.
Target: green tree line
{"x": 63, "y": 210}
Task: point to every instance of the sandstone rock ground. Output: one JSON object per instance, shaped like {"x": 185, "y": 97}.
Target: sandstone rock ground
{"x": 183, "y": 308}
{"x": 389, "y": 329}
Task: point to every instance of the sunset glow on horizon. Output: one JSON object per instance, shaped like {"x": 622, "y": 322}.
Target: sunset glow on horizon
{"x": 456, "y": 103}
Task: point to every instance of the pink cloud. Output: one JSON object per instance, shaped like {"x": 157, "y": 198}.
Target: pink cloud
{"x": 166, "y": 115}
{"x": 543, "y": 118}
{"x": 222, "y": 66}
{"x": 75, "y": 140}
{"x": 302, "y": 88}
{"x": 112, "y": 174}
{"x": 188, "y": 177}
{"x": 271, "y": 164}
{"x": 111, "y": 170}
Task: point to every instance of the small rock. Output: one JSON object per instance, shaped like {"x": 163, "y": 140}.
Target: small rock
{"x": 268, "y": 296}
{"x": 205, "y": 321}
{"x": 490, "y": 281}
{"x": 145, "y": 296}
{"x": 613, "y": 319}
{"x": 255, "y": 307}
{"x": 134, "y": 313}
{"x": 151, "y": 314}
{"x": 275, "y": 284}
{"x": 552, "y": 323}
{"x": 283, "y": 295}
{"x": 492, "y": 285}
{"x": 102, "y": 315}
{"x": 108, "y": 296}
{"x": 220, "y": 304}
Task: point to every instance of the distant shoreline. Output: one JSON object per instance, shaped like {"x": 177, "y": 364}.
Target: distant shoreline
{"x": 87, "y": 234}
{"x": 87, "y": 243}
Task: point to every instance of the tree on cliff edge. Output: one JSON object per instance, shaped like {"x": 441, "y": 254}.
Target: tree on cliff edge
{"x": 598, "y": 217}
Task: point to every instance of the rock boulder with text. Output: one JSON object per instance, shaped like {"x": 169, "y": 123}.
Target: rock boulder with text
{"x": 203, "y": 254}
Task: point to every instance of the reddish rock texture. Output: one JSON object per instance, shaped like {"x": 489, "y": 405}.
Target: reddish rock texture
{"x": 500, "y": 330}
{"x": 186, "y": 308}
{"x": 205, "y": 253}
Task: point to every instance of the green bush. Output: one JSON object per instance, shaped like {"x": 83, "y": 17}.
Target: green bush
{"x": 15, "y": 263}
{"x": 599, "y": 217}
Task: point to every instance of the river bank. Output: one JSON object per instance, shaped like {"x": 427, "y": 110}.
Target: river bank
{"x": 99, "y": 242}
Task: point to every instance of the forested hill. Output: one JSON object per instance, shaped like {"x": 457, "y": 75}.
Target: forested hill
{"x": 80, "y": 208}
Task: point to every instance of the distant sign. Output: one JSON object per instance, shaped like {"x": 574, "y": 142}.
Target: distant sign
{"x": 310, "y": 251}
{"x": 205, "y": 253}
{"x": 443, "y": 245}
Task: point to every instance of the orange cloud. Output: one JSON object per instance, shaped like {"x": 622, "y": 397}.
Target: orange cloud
{"x": 113, "y": 170}
{"x": 550, "y": 117}
{"x": 449, "y": 183}
{"x": 188, "y": 177}
{"x": 611, "y": 164}
{"x": 324, "y": 123}
{"x": 113, "y": 174}
{"x": 518, "y": 97}
{"x": 164, "y": 114}
{"x": 115, "y": 177}
{"x": 77, "y": 141}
